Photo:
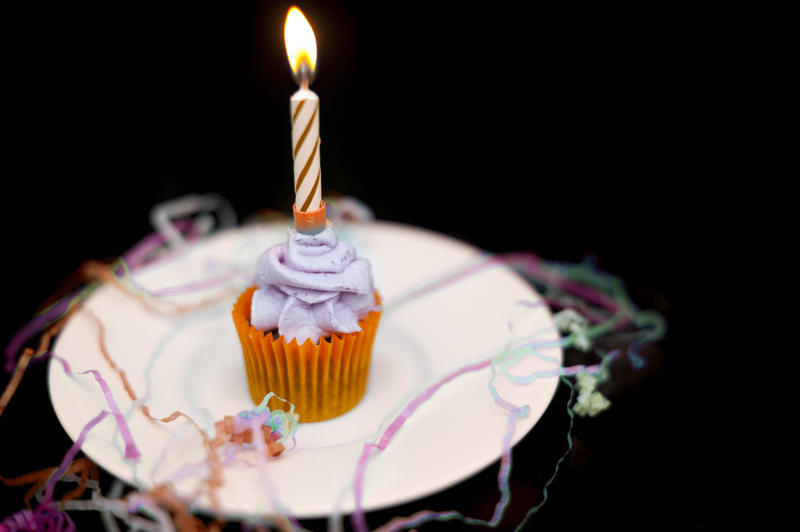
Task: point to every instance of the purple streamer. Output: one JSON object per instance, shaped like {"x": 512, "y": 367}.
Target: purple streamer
{"x": 76, "y": 446}
{"x": 47, "y": 516}
{"x": 191, "y": 287}
{"x": 131, "y": 451}
{"x": 531, "y": 264}
{"x": 135, "y": 257}
{"x": 358, "y": 518}
{"x": 35, "y": 326}
{"x": 139, "y": 253}
{"x": 22, "y": 520}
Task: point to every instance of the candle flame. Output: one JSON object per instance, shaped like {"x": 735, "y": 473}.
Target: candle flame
{"x": 301, "y": 45}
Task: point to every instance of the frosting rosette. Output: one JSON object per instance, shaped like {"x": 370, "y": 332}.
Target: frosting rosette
{"x": 312, "y": 286}
{"x": 319, "y": 296}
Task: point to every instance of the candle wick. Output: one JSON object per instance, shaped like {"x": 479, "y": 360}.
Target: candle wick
{"x": 304, "y": 74}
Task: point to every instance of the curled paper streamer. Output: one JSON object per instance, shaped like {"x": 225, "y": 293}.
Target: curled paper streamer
{"x": 598, "y": 303}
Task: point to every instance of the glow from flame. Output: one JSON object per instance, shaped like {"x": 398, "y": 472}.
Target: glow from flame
{"x": 301, "y": 45}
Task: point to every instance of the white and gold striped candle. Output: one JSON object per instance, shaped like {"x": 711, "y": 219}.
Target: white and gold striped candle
{"x": 301, "y": 49}
{"x": 305, "y": 150}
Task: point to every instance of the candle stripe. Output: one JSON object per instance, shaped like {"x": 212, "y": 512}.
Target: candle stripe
{"x": 304, "y": 171}
{"x": 313, "y": 191}
{"x": 297, "y": 111}
{"x": 310, "y": 123}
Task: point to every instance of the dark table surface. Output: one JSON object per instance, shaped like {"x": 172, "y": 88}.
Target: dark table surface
{"x": 116, "y": 110}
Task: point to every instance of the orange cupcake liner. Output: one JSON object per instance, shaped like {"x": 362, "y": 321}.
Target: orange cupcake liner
{"x": 322, "y": 380}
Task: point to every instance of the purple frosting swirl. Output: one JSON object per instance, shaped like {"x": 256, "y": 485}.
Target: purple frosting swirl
{"x": 312, "y": 286}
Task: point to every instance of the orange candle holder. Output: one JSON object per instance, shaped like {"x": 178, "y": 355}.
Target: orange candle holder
{"x": 309, "y": 222}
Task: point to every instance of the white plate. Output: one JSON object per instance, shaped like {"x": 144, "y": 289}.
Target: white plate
{"x": 193, "y": 363}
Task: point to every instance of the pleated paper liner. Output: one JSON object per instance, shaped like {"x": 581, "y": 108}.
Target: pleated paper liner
{"x": 322, "y": 380}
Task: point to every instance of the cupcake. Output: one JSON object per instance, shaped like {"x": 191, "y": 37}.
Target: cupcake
{"x": 308, "y": 324}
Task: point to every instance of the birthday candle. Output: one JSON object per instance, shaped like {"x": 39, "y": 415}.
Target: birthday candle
{"x": 305, "y": 149}
{"x": 301, "y": 49}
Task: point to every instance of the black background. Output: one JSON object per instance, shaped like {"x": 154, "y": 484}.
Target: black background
{"x": 574, "y": 131}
